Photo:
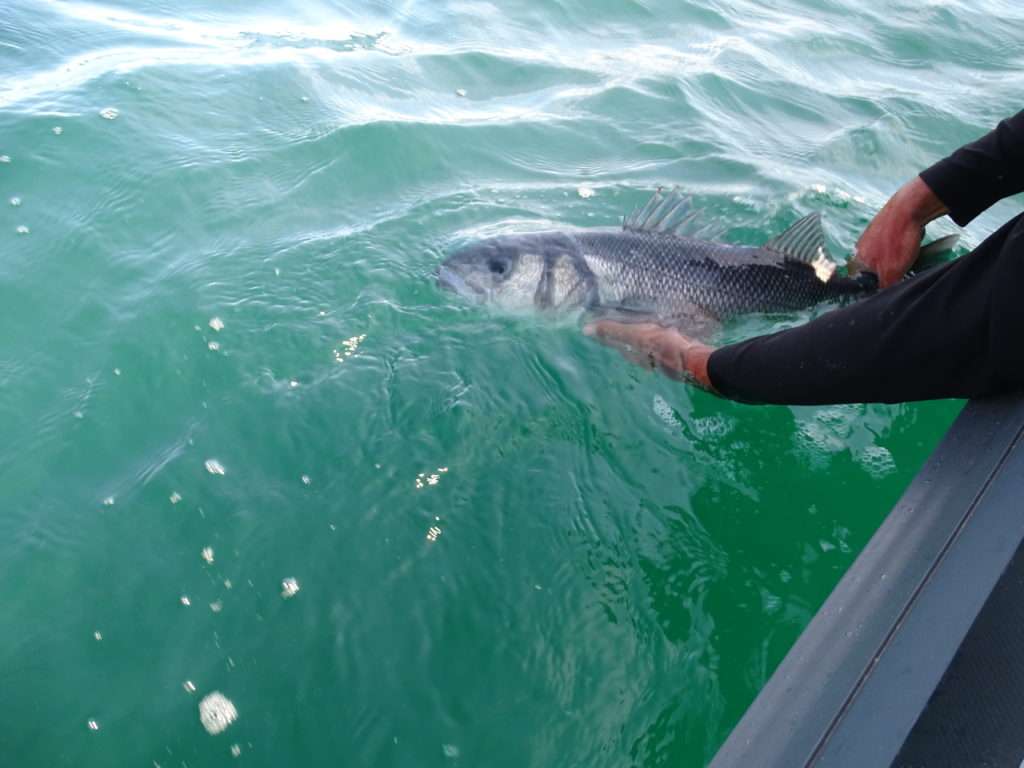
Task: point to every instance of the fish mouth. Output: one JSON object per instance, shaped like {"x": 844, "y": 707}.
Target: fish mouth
{"x": 450, "y": 280}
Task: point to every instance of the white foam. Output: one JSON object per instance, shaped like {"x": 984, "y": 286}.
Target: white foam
{"x": 878, "y": 461}
{"x": 217, "y": 712}
{"x": 289, "y": 587}
{"x": 665, "y": 413}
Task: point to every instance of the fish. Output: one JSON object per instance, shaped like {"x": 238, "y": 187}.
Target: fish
{"x": 647, "y": 270}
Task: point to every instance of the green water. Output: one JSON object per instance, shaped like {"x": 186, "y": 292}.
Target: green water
{"x": 511, "y": 547}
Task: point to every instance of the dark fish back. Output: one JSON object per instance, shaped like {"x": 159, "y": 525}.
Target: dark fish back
{"x": 670, "y": 273}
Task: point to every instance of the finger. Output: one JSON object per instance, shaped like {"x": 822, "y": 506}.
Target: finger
{"x": 628, "y": 332}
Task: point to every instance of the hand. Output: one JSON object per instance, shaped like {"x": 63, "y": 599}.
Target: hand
{"x": 654, "y": 346}
{"x": 891, "y": 242}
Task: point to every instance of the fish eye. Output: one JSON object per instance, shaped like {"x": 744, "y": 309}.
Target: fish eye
{"x": 497, "y": 267}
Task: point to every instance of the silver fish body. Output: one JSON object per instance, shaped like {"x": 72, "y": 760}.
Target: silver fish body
{"x": 649, "y": 270}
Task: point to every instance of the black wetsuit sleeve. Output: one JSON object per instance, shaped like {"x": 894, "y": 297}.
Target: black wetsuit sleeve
{"x": 952, "y": 331}
{"x": 982, "y": 172}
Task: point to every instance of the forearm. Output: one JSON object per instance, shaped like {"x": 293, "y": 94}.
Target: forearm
{"x": 917, "y": 202}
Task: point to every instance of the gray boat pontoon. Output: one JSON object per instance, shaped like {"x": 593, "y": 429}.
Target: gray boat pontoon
{"x": 916, "y": 659}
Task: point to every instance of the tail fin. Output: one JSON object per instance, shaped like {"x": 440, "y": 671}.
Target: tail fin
{"x": 931, "y": 255}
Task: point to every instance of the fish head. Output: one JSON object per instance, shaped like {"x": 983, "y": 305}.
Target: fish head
{"x": 505, "y": 271}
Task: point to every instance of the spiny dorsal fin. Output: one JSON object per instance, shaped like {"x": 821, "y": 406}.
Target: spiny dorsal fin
{"x": 664, "y": 213}
{"x": 804, "y": 242}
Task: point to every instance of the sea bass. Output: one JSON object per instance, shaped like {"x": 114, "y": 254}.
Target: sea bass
{"x": 649, "y": 270}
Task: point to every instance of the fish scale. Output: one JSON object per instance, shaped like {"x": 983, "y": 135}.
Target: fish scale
{"x": 670, "y": 273}
{"x": 649, "y": 269}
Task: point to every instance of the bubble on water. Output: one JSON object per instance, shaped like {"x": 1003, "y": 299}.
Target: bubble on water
{"x": 22, "y": 229}
{"x": 5, "y": 158}
{"x": 836, "y": 418}
{"x": 717, "y": 426}
{"x": 460, "y": 92}
{"x": 57, "y": 130}
{"x": 289, "y": 587}
{"x": 217, "y": 606}
{"x": 878, "y": 461}
{"x": 15, "y": 201}
{"x": 227, "y": 583}
{"x": 98, "y": 635}
{"x": 293, "y": 383}
{"x": 175, "y": 497}
{"x": 235, "y": 750}
{"x": 78, "y": 415}
{"x": 818, "y": 439}
{"x": 189, "y": 686}
{"x": 207, "y": 554}
{"x": 214, "y": 467}
{"x": 117, "y": 371}
{"x": 349, "y": 347}
{"x": 185, "y": 600}
{"x": 93, "y": 725}
{"x": 665, "y": 412}
{"x": 306, "y": 480}
{"x": 213, "y": 346}
{"x": 423, "y": 479}
{"x": 108, "y": 502}
{"x": 585, "y": 191}
{"x": 216, "y": 323}
{"x": 109, "y": 113}
{"x": 216, "y": 712}
{"x": 450, "y": 751}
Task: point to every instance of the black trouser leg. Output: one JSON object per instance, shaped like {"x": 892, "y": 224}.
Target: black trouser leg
{"x": 953, "y": 331}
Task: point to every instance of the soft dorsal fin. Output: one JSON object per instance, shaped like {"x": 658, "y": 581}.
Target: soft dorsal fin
{"x": 664, "y": 212}
{"x": 803, "y": 242}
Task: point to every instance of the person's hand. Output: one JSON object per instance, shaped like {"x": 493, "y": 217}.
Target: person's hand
{"x": 656, "y": 347}
{"x": 890, "y": 244}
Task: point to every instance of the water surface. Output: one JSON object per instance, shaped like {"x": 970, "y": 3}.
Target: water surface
{"x": 250, "y": 448}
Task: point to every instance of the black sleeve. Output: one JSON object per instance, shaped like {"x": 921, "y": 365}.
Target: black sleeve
{"x": 951, "y": 331}
{"x": 981, "y": 173}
